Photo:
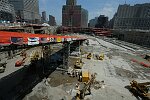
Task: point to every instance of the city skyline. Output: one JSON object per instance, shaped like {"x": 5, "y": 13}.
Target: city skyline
{"x": 96, "y": 8}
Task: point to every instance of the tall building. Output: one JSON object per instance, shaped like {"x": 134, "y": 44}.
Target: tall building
{"x": 7, "y": 12}
{"x": 71, "y": 2}
{"x": 26, "y": 10}
{"x": 74, "y": 15}
{"x": 93, "y": 22}
{"x": 111, "y": 22}
{"x": 102, "y": 22}
{"x": 84, "y": 18}
{"x": 52, "y": 21}
{"x": 133, "y": 17}
{"x": 44, "y": 18}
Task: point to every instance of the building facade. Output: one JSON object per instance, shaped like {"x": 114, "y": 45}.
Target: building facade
{"x": 44, "y": 18}
{"x": 102, "y": 22}
{"x": 84, "y": 18}
{"x": 74, "y": 15}
{"x": 26, "y": 10}
{"x": 93, "y": 22}
{"x": 7, "y": 12}
{"x": 133, "y": 17}
{"x": 71, "y": 2}
{"x": 52, "y": 21}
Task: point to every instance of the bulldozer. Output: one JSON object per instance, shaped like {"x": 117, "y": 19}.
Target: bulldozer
{"x": 89, "y": 56}
{"x": 140, "y": 89}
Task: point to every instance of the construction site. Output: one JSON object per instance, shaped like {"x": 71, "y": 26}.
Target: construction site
{"x": 74, "y": 67}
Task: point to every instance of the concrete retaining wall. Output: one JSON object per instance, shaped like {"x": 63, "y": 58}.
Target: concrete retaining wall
{"x": 140, "y": 38}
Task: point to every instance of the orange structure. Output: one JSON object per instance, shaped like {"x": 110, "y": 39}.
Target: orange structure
{"x": 7, "y": 38}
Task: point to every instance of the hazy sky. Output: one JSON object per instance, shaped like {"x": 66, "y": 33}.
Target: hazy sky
{"x": 94, "y": 7}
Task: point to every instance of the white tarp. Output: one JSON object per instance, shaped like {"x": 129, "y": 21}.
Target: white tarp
{"x": 68, "y": 39}
{"x": 33, "y": 41}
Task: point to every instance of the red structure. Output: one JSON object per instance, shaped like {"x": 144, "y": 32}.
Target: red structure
{"x": 7, "y": 38}
{"x": 96, "y": 31}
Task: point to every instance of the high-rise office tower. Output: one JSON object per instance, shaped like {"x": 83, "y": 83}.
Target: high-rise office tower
{"x": 102, "y": 22}
{"x": 7, "y": 12}
{"x": 71, "y": 2}
{"x": 44, "y": 18}
{"x": 26, "y": 10}
{"x": 52, "y": 21}
{"x": 84, "y": 18}
{"x": 93, "y": 22}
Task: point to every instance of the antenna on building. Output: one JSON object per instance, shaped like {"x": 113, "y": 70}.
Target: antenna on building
{"x": 125, "y": 2}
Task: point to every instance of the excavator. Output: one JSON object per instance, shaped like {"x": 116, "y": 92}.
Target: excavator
{"x": 85, "y": 88}
{"x": 101, "y": 57}
{"x": 140, "y": 89}
{"x": 89, "y": 56}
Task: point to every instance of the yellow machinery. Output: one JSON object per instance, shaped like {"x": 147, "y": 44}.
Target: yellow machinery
{"x": 34, "y": 56}
{"x": 86, "y": 87}
{"x": 89, "y": 56}
{"x": 101, "y": 57}
{"x": 78, "y": 64}
{"x": 140, "y": 89}
{"x": 85, "y": 76}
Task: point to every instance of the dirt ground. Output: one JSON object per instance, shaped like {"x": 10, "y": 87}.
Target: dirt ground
{"x": 57, "y": 79}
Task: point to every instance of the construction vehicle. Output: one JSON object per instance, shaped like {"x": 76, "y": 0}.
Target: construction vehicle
{"x": 34, "y": 56}
{"x": 19, "y": 63}
{"x": 86, "y": 87}
{"x": 2, "y": 67}
{"x": 89, "y": 56}
{"x": 22, "y": 61}
{"x": 101, "y": 57}
{"x": 78, "y": 64}
{"x": 147, "y": 57}
{"x": 140, "y": 89}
